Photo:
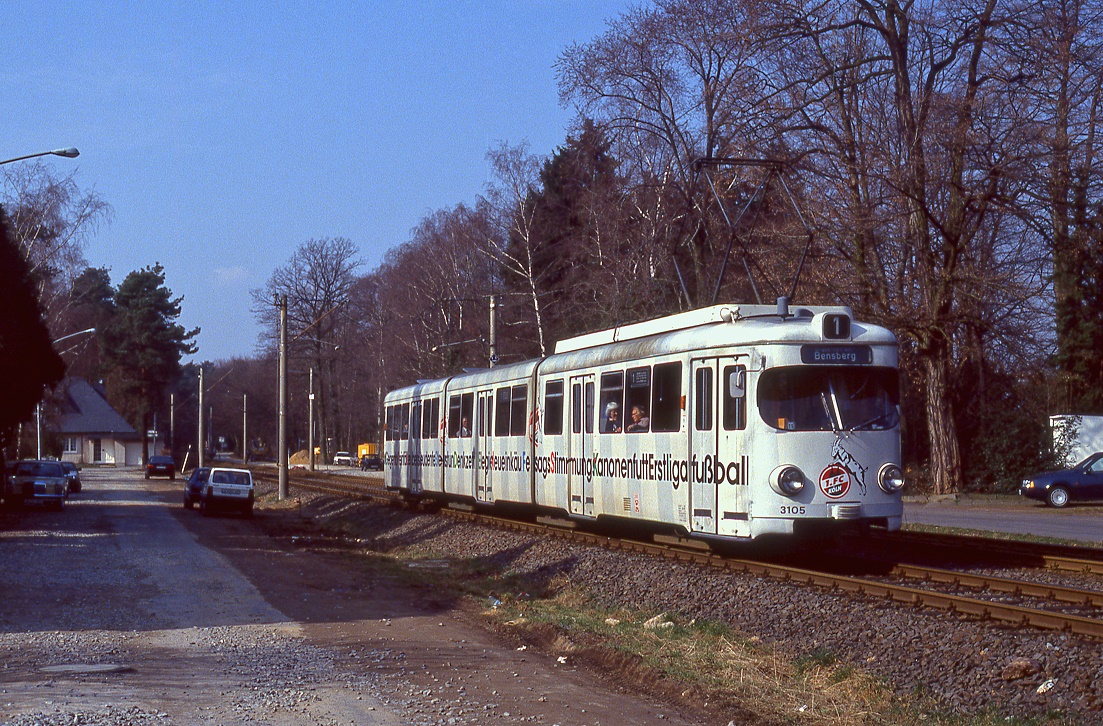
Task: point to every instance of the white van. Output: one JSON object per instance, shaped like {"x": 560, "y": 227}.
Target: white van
{"x": 227, "y": 489}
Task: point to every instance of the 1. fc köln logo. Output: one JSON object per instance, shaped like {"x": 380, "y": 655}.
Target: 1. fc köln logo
{"x": 834, "y": 481}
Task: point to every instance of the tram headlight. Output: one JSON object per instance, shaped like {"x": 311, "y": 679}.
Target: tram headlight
{"x": 890, "y": 478}
{"x": 787, "y": 480}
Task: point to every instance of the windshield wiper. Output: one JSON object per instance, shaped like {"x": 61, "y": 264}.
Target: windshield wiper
{"x": 872, "y": 421}
{"x": 827, "y": 410}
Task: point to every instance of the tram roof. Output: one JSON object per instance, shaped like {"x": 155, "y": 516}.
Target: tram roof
{"x": 716, "y": 327}
{"x": 666, "y": 324}
{"x": 712, "y": 327}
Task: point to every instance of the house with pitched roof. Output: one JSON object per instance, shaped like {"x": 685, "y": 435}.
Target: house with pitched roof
{"x": 92, "y": 432}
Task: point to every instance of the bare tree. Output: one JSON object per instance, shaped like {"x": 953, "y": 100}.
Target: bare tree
{"x": 1056, "y": 54}
{"x": 435, "y": 290}
{"x": 511, "y": 240}
{"x": 51, "y": 219}
{"x": 672, "y": 84}
{"x": 318, "y": 282}
{"x": 904, "y": 113}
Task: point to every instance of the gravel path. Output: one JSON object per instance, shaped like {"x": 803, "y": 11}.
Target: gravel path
{"x": 127, "y": 609}
{"x": 113, "y": 615}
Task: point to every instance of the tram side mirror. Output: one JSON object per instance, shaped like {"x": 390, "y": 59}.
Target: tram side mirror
{"x": 737, "y": 384}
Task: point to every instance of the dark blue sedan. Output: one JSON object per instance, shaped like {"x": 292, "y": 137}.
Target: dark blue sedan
{"x": 193, "y": 486}
{"x": 1081, "y": 483}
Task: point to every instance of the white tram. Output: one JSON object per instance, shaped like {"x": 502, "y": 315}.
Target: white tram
{"x": 733, "y": 421}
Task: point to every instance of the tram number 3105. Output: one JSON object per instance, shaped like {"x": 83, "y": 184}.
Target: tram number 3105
{"x": 792, "y": 509}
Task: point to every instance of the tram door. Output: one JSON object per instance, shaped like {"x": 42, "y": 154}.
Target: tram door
{"x": 414, "y": 449}
{"x": 718, "y": 495}
{"x": 484, "y": 431}
{"x": 580, "y": 489}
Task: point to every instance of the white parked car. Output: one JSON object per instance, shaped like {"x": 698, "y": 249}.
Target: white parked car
{"x": 342, "y": 458}
{"x": 227, "y": 489}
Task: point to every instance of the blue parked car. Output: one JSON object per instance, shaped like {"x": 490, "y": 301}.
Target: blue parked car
{"x": 72, "y": 473}
{"x": 1081, "y": 483}
{"x": 193, "y": 486}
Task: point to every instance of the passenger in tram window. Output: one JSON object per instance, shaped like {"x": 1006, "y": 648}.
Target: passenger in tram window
{"x": 640, "y": 420}
{"x": 611, "y": 424}
{"x": 465, "y": 427}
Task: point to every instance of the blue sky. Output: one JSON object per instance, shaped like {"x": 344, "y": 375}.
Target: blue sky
{"x": 226, "y": 134}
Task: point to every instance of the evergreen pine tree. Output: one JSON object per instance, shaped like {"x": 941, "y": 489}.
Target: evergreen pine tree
{"x": 143, "y": 344}
{"x": 28, "y": 361}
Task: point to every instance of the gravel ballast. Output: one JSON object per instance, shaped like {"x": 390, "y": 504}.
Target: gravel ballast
{"x": 965, "y": 666}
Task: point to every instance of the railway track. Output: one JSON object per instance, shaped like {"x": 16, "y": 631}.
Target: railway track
{"x": 1018, "y": 603}
{"x": 355, "y": 487}
{"x": 1062, "y": 558}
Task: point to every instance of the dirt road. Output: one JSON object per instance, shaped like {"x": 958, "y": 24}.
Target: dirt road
{"x": 125, "y": 608}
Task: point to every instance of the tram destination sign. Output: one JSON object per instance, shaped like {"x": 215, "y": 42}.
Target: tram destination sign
{"x": 836, "y": 354}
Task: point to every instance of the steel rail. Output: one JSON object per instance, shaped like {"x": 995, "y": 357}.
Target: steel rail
{"x": 339, "y": 484}
{"x": 690, "y": 551}
{"x": 1070, "y": 595}
{"x": 1064, "y": 558}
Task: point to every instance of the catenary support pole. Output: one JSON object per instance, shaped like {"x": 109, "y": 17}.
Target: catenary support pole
{"x": 172, "y": 423}
{"x": 283, "y": 399}
{"x": 310, "y": 420}
{"x": 245, "y": 428}
{"x": 493, "y": 330}
{"x": 202, "y": 440}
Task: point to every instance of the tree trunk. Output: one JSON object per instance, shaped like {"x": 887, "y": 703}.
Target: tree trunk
{"x": 535, "y": 296}
{"x": 945, "y": 461}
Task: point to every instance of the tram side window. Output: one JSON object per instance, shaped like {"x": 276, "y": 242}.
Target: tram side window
{"x": 611, "y": 403}
{"x": 415, "y": 420}
{"x": 467, "y": 407}
{"x": 388, "y": 424}
{"x": 553, "y": 408}
{"x": 517, "y": 417}
{"x": 735, "y": 398}
{"x": 459, "y": 415}
{"x": 429, "y": 415}
{"x": 637, "y": 400}
{"x": 453, "y": 416}
{"x": 403, "y": 420}
{"x": 576, "y": 408}
{"x": 589, "y": 407}
{"x": 501, "y": 411}
{"x": 437, "y": 419}
{"x": 666, "y": 397}
{"x": 702, "y": 400}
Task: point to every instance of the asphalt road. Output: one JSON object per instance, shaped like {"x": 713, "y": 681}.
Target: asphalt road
{"x": 1079, "y": 522}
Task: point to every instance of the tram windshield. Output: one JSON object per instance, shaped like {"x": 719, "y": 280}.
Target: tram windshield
{"x": 808, "y": 398}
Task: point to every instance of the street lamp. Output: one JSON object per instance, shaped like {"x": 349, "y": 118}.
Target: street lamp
{"x": 38, "y": 406}
{"x": 69, "y": 153}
